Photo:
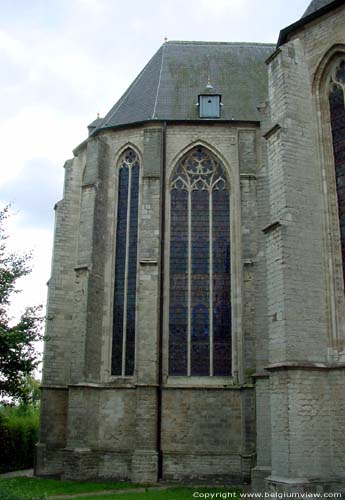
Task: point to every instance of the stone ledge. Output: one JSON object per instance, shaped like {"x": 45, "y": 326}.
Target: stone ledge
{"x": 82, "y": 267}
{"x": 54, "y": 387}
{"x": 273, "y": 130}
{"x": 249, "y": 177}
{"x": 248, "y": 262}
{"x": 302, "y": 484}
{"x": 272, "y": 56}
{"x": 259, "y": 375}
{"x": 271, "y": 227}
{"x": 113, "y": 385}
{"x": 208, "y": 387}
{"x": 149, "y": 175}
{"x": 305, "y": 365}
{"x": 199, "y": 453}
{"x": 258, "y": 476}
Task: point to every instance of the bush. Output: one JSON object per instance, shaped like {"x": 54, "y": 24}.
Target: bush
{"x": 18, "y": 435}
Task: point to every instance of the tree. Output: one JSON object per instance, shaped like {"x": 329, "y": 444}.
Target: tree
{"x": 18, "y": 357}
{"x": 32, "y": 391}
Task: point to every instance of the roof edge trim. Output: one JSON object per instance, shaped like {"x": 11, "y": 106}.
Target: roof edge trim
{"x": 159, "y": 82}
{"x": 284, "y": 33}
{"x": 160, "y": 121}
{"x": 120, "y": 102}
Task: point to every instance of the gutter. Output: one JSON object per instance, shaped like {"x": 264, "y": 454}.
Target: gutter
{"x": 204, "y": 121}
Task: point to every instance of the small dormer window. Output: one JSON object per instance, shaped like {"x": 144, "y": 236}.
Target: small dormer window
{"x": 209, "y": 106}
{"x": 209, "y": 102}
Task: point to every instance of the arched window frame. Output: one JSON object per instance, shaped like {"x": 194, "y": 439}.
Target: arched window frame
{"x": 115, "y": 193}
{"x": 233, "y": 180}
{"x": 332, "y": 243}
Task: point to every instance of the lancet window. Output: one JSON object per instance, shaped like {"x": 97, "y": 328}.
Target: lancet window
{"x": 124, "y": 326}
{"x": 199, "y": 295}
{"x": 337, "y": 113}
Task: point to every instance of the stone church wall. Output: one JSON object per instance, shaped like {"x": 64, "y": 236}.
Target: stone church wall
{"x": 304, "y": 361}
{"x": 59, "y": 326}
{"x": 287, "y": 292}
{"x": 208, "y": 429}
{"x": 202, "y": 433}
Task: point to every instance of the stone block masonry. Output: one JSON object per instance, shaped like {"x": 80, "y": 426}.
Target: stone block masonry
{"x": 278, "y": 418}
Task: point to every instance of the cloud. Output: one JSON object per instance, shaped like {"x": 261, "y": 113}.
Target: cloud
{"x": 22, "y": 239}
{"x": 93, "y": 6}
{"x": 65, "y": 60}
{"x": 11, "y": 46}
{"x": 220, "y": 7}
{"x": 40, "y": 183}
{"x": 37, "y": 132}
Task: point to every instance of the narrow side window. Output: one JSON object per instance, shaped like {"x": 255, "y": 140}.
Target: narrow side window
{"x": 124, "y": 327}
{"x": 337, "y": 112}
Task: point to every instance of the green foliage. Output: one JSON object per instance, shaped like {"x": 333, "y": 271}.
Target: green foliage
{"x": 18, "y": 357}
{"x": 31, "y": 391}
{"x": 7, "y": 494}
{"x": 170, "y": 493}
{"x": 18, "y": 435}
{"x": 37, "y": 487}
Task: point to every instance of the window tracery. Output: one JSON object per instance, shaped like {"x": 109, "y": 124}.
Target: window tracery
{"x": 124, "y": 327}
{"x": 199, "y": 298}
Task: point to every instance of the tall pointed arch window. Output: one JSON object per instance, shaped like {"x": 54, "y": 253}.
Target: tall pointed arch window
{"x": 199, "y": 288}
{"x": 337, "y": 113}
{"x": 124, "y": 326}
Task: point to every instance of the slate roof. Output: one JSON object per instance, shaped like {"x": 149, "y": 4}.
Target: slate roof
{"x": 95, "y": 123}
{"x": 316, "y": 5}
{"x": 169, "y": 85}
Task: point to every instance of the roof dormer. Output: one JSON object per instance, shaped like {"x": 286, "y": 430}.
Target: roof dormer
{"x": 209, "y": 102}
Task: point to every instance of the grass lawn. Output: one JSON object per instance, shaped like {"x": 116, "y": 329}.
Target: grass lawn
{"x": 173, "y": 493}
{"x": 27, "y": 488}
{"x": 34, "y": 486}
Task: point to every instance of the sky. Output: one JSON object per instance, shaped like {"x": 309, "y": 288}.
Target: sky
{"x": 64, "y": 61}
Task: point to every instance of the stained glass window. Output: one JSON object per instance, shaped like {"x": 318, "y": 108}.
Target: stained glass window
{"x": 126, "y": 266}
{"x": 337, "y": 111}
{"x": 199, "y": 289}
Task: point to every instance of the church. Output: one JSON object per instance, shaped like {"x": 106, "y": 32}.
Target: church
{"x": 196, "y": 308}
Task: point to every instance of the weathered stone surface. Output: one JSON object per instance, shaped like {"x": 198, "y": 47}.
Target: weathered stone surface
{"x": 279, "y": 417}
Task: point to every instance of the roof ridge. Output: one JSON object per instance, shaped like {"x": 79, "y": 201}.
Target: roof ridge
{"x": 196, "y": 42}
{"x": 159, "y": 82}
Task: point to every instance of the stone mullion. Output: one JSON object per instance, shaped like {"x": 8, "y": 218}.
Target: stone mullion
{"x": 210, "y": 200}
{"x": 189, "y": 325}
